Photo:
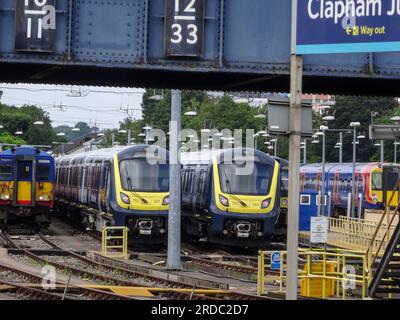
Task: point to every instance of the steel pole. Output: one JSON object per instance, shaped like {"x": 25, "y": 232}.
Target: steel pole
{"x": 305, "y": 152}
{"x": 323, "y": 174}
{"x": 174, "y": 217}
{"x": 129, "y": 137}
{"x": 395, "y": 152}
{"x": 382, "y": 151}
{"x": 112, "y": 139}
{"x": 353, "y": 176}
{"x": 294, "y": 174}
{"x": 341, "y": 147}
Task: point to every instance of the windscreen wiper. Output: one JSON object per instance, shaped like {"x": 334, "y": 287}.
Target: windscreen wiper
{"x": 129, "y": 181}
{"x": 228, "y": 185}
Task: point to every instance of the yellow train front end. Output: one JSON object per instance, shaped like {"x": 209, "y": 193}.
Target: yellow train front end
{"x": 141, "y": 195}
{"x": 246, "y": 195}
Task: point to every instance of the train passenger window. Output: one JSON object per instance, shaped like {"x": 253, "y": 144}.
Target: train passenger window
{"x": 5, "y": 172}
{"x": 43, "y": 173}
{"x": 376, "y": 181}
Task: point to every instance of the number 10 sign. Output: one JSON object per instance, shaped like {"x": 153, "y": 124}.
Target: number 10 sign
{"x": 184, "y": 28}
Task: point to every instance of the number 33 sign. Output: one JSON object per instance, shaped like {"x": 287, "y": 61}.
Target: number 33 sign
{"x": 184, "y": 28}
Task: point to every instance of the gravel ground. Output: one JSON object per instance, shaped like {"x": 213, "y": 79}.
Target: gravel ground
{"x": 30, "y": 242}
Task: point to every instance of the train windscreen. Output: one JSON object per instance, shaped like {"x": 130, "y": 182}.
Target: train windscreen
{"x": 139, "y": 175}
{"x": 5, "y": 171}
{"x": 245, "y": 179}
{"x": 376, "y": 180}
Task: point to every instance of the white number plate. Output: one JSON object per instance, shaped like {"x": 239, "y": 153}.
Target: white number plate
{"x": 243, "y": 234}
{"x": 145, "y": 232}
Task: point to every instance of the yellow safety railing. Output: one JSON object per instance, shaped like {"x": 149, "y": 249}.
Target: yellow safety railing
{"x": 357, "y": 234}
{"x": 115, "y": 242}
{"x": 324, "y": 274}
{"x": 378, "y": 242}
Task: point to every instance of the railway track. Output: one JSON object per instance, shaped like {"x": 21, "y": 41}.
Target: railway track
{"x": 151, "y": 281}
{"x": 160, "y": 281}
{"x": 32, "y": 292}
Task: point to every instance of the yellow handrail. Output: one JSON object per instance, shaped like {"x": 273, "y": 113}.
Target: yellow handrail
{"x": 328, "y": 278}
{"x": 123, "y": 246}
{"x": 369, "y": 253}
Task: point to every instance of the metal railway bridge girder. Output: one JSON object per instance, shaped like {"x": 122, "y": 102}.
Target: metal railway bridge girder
{"x": 246, "y": 47}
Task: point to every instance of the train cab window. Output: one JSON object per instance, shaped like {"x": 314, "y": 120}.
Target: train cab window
{"x": 376, "y": 181}
{"x": 5, "y": 172}
{"x": 43, "y": 172}
{"x": 284, "y": 180}
{"x": 255, "y": 181}
{"x": 140, "y": 175}
{"x": 24, "y": 171}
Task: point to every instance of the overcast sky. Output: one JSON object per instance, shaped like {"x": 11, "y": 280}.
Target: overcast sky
{"x": 101, "y": 105}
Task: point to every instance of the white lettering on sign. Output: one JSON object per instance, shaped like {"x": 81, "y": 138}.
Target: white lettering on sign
{"x": 339, "y": 9}
{"x": 183, "y": 15}
{"x": 43, "y": 14}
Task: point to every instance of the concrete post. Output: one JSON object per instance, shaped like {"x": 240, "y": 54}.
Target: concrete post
{"x": 174, "y": 217}
{"x": 294, "y": 174}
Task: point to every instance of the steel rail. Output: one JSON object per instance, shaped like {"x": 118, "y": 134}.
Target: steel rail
{"x": 86, "y": 292}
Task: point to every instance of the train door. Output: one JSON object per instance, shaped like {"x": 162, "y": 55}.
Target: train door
{"x": 25, "y": 182}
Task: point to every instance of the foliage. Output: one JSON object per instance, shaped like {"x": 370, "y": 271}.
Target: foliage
{"x": 14, "y": 118}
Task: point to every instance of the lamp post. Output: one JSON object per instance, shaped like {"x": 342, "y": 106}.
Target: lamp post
{"x": 353, "y": 125}
{"x": 147, "y": 128}
{"x": 323, "y": 129}
{"x": 341, "y": 147}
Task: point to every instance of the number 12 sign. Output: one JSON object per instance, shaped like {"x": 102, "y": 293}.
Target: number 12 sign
{"x": 184, "y": 28}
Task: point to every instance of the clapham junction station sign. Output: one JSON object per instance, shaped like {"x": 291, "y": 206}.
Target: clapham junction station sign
{"x": 347, "y": 26}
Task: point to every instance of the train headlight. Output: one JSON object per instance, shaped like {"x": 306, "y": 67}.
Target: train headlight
{"x": 224, "y": 201}
{"x": 125, "y": 199}
{"x": 284, "y": 202}
{"x": 265, "y": 203}
{"x": 43, "y": 198}
{"x": 4, "y": 197}
{"x": 165, "y": 201}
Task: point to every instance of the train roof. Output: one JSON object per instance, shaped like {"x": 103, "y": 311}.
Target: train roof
{"x": 25, "y": 151}
{"x": 342, "y": 167}
{"x": 109, "y": 153}
{"x": 282, "y": 161}
{"x": 205, "y": 156}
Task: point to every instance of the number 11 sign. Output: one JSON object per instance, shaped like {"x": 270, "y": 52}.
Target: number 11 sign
{"x": 184, "y": 28}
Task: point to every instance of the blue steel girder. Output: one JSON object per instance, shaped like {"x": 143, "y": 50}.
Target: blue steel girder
{"x": 245, "y": 41}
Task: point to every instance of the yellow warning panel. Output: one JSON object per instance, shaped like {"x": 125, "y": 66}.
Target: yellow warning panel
{"x": 150, "y": 292}
{"x": 313, "y": 287}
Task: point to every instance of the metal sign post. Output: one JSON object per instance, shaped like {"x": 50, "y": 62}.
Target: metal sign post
{"x": 294, "y": 163}
{"x": 174, "y": 216}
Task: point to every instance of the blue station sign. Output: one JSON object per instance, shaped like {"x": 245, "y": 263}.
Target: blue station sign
{"x": 347, "y": 26}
